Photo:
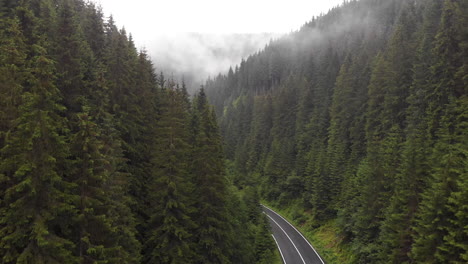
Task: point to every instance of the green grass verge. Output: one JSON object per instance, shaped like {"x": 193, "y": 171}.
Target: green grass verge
{"x": 277, "y": 259}
{"x": 325, "y": 238}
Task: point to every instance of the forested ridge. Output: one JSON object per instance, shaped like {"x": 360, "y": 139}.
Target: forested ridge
{"x": 104, "y": 161}
{"x": 359, "y": 119}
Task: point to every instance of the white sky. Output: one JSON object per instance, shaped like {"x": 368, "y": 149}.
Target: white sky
{"x": 145, "y": 19}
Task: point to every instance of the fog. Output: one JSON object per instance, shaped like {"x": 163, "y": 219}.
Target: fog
{"x": 226, "y": 31}
{"x": 193, "y": 57}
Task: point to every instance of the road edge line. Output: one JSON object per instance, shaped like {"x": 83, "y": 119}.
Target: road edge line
{"x": 292, "y": 242}
{"x": 279, "y": 248}
{"x": 297, "y": 232}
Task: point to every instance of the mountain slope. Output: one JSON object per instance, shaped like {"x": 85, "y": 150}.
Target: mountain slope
{"x": 101, "y": 161}
{"x": 360, "y": 117}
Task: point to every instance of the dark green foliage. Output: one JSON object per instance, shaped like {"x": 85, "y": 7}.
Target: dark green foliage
{"x": 99, "y": 158}
{"x": 439, "y": 216}
{"x": 13, "y": 73}
{"x": 434, "y": 236}
{"x": 243, "y": 227}
{"x": 396, "y": 233}
{"x": 264, "y": 244}
{"x": 358, "y": 117}
{"x": 214, "y": 233}
{"x": 36, "y": 214}
{"x": 171, "y": 227}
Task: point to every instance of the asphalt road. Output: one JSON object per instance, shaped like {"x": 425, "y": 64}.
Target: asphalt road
{"x": 293, "y": 246}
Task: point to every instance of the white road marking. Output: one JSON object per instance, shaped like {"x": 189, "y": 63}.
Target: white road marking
{"x": 297, "y": 232}
{"x": 279, "y": 248}
{"x": 303, "y": 261}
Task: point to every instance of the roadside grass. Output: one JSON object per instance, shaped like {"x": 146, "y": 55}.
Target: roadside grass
{"x": 325, "y": 238}
{"x": 277, "y": 258}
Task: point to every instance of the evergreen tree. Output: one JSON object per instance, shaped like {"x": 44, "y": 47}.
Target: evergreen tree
{"x": 359, "y": 120}
{"x": 122, "y": 243}
{"x": 13, "y": 73}
{"x": 243, "y": 237}
{"x": 436, "y": 222}
{"x": 72, "y": 53}
{"x": 396, "y": 235}
{"x": 368, "y": 124}
{"x": 171, "y": 226}
{"x": 264, "y": 245}
{"x": 36, "y": 224}
{"x": 89, "y": 179}
{"x": 214, "y": 233}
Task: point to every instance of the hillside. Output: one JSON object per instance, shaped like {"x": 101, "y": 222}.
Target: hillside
{"x": 104, "y": 161}
{"x": 359, "y": 119}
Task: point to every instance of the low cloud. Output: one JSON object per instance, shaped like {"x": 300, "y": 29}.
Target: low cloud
{"x": 195, "y": 57}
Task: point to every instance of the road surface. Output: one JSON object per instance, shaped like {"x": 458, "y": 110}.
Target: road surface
{"x": 293, "y": 246}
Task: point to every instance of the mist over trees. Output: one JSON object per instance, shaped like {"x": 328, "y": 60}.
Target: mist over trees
{"x": 193, "y": 57}
{"x": 360, "y": 119}
{"x": 101, "y": 159}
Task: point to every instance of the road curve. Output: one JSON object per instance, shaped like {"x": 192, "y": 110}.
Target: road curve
{"x": 293, "y": 246}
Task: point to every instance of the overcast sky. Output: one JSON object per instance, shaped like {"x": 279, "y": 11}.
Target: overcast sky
{"x": 147, "y": 18}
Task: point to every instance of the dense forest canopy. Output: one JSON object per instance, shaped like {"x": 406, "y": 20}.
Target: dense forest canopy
{"x": 104, "y": 161}
{"x": 360, "y": 119}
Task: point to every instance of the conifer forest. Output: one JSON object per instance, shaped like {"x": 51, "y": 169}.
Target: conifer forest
{"x": 356, "y": 123}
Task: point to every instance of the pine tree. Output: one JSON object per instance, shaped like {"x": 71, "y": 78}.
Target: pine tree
{"x": 12, "y": 73}
{"x": 318, "y": 182}
{"x": 454, "y": 247}
{"x": 103, "y": 234}
{"x": 72, "y": 52}
{"x": 433, "y": 241}
{"x": 89, "y": 177}
{"x": 171, "y": 226}
{"x": 396, "y": 234}
{"x": 304, "y": 110}
{"x": 264, "y": 244}
{"x": 214, "y": 232}
{"x": 243, "y": 237}
{"x": 346, "y": 148}
{"x": 258, "y": 142}
{"x": 443, "y": 71}
{"x": 93, "y": 29}
{"x": 35, "y": 227}
{"x": 434, "y": 218}
{"x": 122, "y": 245}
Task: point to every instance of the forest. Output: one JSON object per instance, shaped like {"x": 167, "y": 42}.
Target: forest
{"x": 359, "y": 121}
{"x": 104, "y": 161}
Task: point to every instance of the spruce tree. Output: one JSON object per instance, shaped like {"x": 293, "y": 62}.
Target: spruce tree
{"x": 72, "y": 53}
{"x": 446, "y": 101}
{"x": 396, "y": 235}
{"x": 36, "y": 225}
{"x": 13, "y": 73}
{"x": 438, "y": 216}
{"x": 454, "y": 247}
{"x": 171, "y": 193}
{"x": 122, "y": 244}
{"x": 264, "y": 244}
{"x": 318, "y": 183}
{"x": 89, "y": 177}
{"x": 214, "y": 233}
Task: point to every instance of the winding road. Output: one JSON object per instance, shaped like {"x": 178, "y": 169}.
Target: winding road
{"x": 293, "y": 246}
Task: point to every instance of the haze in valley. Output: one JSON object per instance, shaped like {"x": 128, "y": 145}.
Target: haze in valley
{"x": 193, "y": 40}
